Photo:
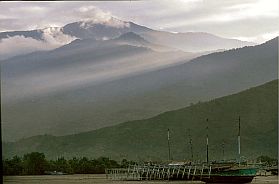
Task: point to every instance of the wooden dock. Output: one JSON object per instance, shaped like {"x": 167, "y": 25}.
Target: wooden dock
{"x": 159, "y": 172}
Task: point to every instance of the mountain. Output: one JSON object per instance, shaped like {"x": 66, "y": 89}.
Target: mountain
{"x": 106, "y": 30}
{"x": 130, "y": 36}
{"x": 134, "y": 39}
{"x": 74, "y": 88}
{"x": 35, "y": 34}
{"x": 190, "y": 41}
{"x": 113, "y": 28}
{"x": 121, "y": 53}
{"x": 147, "y": 139}
{"x": 194, "y": 41}
{"x": 42, "y": 77}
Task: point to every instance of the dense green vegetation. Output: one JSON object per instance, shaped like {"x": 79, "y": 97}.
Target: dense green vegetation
{"x": 147, "y": 139}
{"x": 35, "y": 163}
{"x": 268, "y": 161}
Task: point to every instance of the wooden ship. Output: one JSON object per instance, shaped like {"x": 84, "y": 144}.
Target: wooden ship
{"x": 222, "y": 172}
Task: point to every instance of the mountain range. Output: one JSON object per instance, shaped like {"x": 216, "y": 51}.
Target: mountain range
{"x": 101, "y": 74}
{"x": 89, "y": 84}
{"x": 146, "y": 139}
{"x": 113, "y": 28}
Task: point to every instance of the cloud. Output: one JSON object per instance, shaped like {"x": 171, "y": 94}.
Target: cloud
{"x": 19, "y": 45}
{"x": 51, "y": 79}
{"x": 229, "y": 18}
{"x": 55, "y": 37}
{"x": 262, "y": 37}
{"x": 112, "y": 22}
{"x": 92, "y": 13}
{"x": 37, "y": 15}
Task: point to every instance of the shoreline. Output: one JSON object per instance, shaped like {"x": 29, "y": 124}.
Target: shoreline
{"x": 101, "y": 179}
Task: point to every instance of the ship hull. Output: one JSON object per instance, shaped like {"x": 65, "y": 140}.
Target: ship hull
{"x": 240, "y": 175}
{"x": 228, "y": 179}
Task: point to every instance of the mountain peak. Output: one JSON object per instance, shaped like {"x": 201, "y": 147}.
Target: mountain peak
{"x": 272, "y": 41}
{"x": 108, "y": 22}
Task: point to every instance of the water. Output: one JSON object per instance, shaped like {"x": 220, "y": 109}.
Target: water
{"x": 100, "y": 179}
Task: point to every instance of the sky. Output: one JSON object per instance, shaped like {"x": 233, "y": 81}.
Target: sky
{"x": 249, "y": 20}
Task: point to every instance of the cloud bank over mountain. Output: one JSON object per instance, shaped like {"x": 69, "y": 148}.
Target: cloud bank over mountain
{"x": 249, "y": 20}
{"x": 107, "y": 27}
{"x": 231, "y": 19}
{"x": 18, "y": 45}
{"x": 32, "y": 15}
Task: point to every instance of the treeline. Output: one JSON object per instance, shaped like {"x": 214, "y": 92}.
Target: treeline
{"x": 36, "y": 164}
{"x": 267, "y": 161}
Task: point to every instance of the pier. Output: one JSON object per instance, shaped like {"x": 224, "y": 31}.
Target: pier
{"x": 159, "y": 172}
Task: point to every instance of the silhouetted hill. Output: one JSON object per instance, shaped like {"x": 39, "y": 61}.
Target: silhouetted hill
{"x": 147, "y": 139}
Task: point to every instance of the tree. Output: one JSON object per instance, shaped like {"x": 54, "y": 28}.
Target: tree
{"x": 267, "y": 160}
{"x": 62, "y": 165}
{"x": 34, "y": 163}
{"x": 124, "y": 163}
{"x": 13, "y": 166}
{"x": 74, "y": 163}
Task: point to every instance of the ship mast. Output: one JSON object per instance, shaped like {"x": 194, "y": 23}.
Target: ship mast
{"x": 191, "y": 146}
{"x": 207, "y": 161}
{"x": 169, "y": 144}
{"x": 223, "y": 149}
{"x": 239, "y": 140}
